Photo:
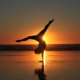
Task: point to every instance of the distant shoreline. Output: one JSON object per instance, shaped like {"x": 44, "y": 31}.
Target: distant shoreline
{"x": 31, "y": 47}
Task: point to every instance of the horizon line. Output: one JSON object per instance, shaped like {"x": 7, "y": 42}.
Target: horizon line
{"x": 47, "y": 44}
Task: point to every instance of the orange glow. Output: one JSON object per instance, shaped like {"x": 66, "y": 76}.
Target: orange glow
{"x": 49, "y": 39}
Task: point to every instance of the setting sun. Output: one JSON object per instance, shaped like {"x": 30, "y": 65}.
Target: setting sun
{"x": 44, "y": 38}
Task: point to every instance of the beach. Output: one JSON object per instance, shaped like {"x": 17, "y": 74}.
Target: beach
{"x": 26, "y": 65}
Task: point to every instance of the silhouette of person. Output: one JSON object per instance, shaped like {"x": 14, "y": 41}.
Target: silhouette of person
{"x": 39, "y": 37}
{"x": 40, "y": 73}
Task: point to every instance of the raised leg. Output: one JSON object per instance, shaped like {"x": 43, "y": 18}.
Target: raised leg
{"x": 25, "y": 39}
{"x": 41, "y": 33}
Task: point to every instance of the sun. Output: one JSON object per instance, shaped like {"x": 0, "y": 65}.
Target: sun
{"x": 44, "y": 38}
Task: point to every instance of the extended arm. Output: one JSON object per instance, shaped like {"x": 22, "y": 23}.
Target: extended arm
{"x": 45, "y": 28}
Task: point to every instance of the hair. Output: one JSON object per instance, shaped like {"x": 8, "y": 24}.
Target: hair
{"x": 38, "y": 51}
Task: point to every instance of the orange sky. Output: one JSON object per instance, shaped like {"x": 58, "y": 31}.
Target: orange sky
{"x": 25, "y": 18}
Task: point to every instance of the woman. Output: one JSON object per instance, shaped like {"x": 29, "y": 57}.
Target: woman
{"x": 39, "y": 37}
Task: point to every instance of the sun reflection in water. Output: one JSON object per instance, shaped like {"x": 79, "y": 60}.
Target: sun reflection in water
{"x": 44, "y": 59}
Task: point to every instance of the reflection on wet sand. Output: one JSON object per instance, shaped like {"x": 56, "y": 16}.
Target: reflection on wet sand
{"x": 40, "y": 72}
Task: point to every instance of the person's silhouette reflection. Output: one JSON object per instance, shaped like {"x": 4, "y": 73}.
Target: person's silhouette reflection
{"x": 39, "y": 37}
{"x": 40, "y": 73}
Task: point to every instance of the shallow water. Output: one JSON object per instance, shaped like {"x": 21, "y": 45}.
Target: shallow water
{"x": 58, "y": 65}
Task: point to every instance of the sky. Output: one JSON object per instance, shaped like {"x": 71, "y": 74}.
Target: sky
{"x": 22, "y": 18}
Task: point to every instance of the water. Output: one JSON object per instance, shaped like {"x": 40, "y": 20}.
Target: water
{"x": 58, "y": 65}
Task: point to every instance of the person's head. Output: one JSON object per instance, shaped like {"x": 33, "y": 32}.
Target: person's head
{"x": 38, "y": 51}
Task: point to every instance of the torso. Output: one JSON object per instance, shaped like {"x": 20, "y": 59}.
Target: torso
{"x": 41, "y": 47}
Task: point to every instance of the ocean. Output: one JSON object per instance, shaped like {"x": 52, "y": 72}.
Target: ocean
{"x": 26, "y": 65}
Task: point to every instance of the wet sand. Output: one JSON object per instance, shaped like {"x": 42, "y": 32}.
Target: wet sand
{"x": 58, "y": 65}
